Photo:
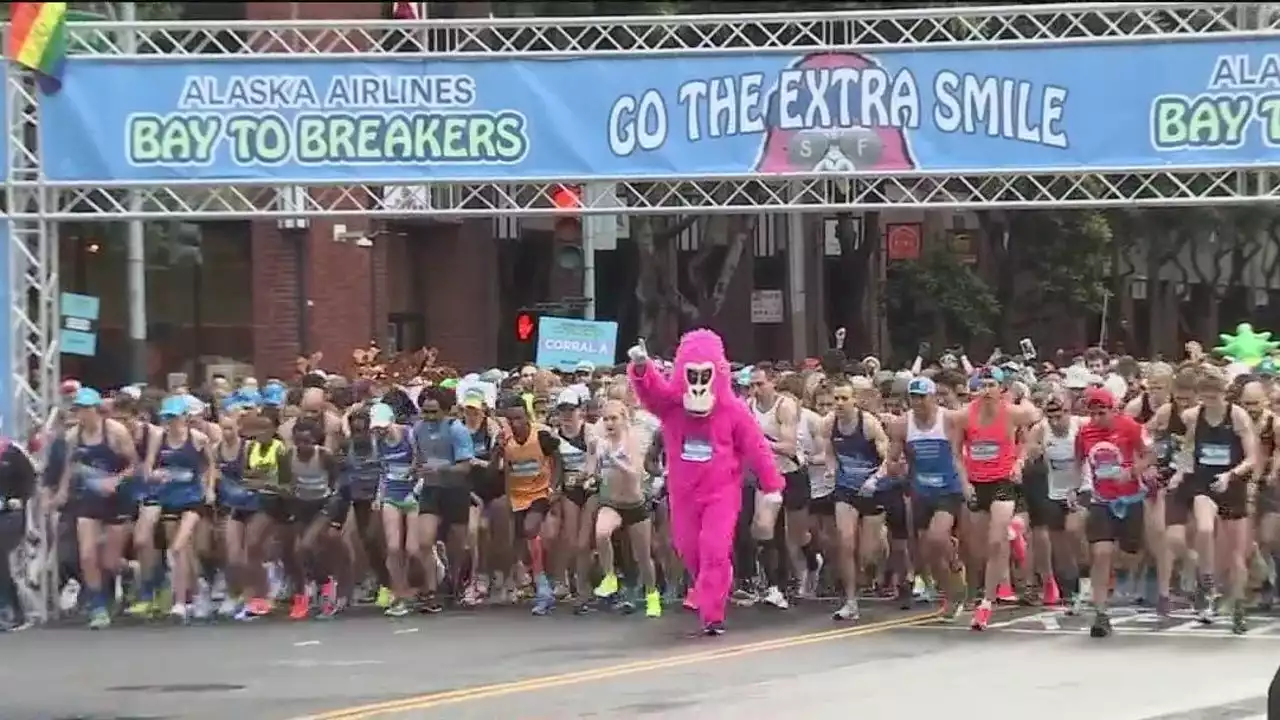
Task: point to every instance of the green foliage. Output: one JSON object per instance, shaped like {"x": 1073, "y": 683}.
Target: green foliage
{"x": 1069, "y": 256}
{"x": 965, "y": 302}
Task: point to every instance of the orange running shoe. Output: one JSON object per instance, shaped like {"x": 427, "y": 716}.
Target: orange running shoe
{"x": 301, "y": 607}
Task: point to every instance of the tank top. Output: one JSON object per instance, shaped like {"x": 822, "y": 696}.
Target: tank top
{"x": 768, "y": 421}
{"x": 310, "y": 477}
{"x": 361, "y": 472}
{"x": 933, "y": 467}
{"x": 612, "y": 482}
{"x": 528, "y": 471}
{"x": 573, "y": 456}
{"x": 231, "y": 490}
{"x": 397, "y": 465}
{"x": 264, "y": 459}
{"x": 819, "y": 484}
{"x": 857, "y": 458}
{"x": 434, "y": 444}
{"x": 92, "y": 465}
{"x": 1060, "y": 459}
{"x": 1217, "y": 447}
{"x": 182, "y": 468}
{"x": 991, "y": 449}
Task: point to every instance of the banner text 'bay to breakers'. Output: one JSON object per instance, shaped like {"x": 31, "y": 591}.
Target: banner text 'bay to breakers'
{"x": 333, "y": 120}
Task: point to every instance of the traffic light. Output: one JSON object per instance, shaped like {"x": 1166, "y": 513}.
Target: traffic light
{"x": 526, "y": 326}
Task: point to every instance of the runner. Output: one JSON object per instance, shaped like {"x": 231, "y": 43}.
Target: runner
{"x": 856, "y": 445}
{"x": 614, "y": 458}
{"x": 578, "y": 508}
{"x": 1213, "y": 490}
{"x": 531, "y": 458}
{"x": 779, "y": 418}
{"x": 398, "y": 496}
{"x": 994, "y": 463}
{"x": 442, "y": 455}
{"x": 240, "y": 504}
{"x": 1113, "y": 451}
{"x": 1168, "y": 433}
{"x": 932, "y": 438}
{"x": 1053, "y": 442}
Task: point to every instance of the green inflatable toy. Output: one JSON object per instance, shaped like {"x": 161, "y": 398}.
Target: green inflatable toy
{"x": 1246, "y": 346}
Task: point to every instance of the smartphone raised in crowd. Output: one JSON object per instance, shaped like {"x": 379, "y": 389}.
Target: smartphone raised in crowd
{"x": 1028, "y": 349}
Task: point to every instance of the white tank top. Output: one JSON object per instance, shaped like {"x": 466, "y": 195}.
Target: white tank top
{"x": 768, "y": 422}
{"x": 1060, "y": 459}
{"x": 819, "y": 484}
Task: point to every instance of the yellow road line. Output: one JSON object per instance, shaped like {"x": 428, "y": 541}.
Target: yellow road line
{"x": 483, "y": 692}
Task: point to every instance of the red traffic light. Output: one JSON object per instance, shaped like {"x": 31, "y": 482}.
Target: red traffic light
{"x": 525, "y": 327}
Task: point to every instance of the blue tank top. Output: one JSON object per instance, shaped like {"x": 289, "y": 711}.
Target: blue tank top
{"x": 231, "y": 490}
{"x": 361, "y": 473}
{"x": 857, "y": 458}
{"x": 92, "y": 464}
{"x": 933, "y": 467}
{"x": 182, "y": 467}
{"x": 397, "y": 465}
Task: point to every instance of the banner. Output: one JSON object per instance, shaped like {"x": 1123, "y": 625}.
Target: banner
{"x": 565, "y": 342}
{"x": 79, "y": 334}
{"x": 1136, "y": 105}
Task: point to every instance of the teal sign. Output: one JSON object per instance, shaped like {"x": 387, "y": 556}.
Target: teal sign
{"x": 563, "y": 343}
{"x": 79, "y": 324}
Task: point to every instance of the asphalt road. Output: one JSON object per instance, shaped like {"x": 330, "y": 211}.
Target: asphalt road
{"x": 502, "y": 663}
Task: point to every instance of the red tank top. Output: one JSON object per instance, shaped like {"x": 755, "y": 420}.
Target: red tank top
{"x": 989, "y": 450}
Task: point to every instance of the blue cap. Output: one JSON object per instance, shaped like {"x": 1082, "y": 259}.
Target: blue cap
{"x": 87, "y": 397}
{"x": 743, "y": 377}
{"x": 174, "y": 406}
{"x": 990, "y": 372}
{"x": 921, "y": 386}
{"x": 274, "y": 394}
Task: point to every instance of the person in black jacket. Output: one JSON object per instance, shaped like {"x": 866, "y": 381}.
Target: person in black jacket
{"x": 17, "y": 487}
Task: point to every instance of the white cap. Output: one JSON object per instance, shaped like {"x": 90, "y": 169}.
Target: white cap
{"x": 569, "y": 397}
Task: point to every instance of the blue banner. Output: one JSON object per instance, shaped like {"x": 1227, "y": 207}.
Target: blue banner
{"x": 326, "y": 119}
{"x": 79, "y": 324}
{"x": 563, "y": 343}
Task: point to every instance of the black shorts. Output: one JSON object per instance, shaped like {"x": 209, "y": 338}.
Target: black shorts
{"x": 630, "y": 514}
{"x": 276, "y": 507}
{"x": 1053, "y": 515}
{"x": 111, "y": 510}
{"x": 1232, "y": 504}
{"x": 488, "y": 486}
{"x": 1102, "y": 525}
{"x": 541, "y": 506}
{"x": 304, "y": 512}
{"x": 985, "y": 494}
{"x": 577, "y": 495}
{"x": 1035, "y": 493}
{"x": 336, "y": 509}
{"x": 795, "y": 494}
{"x": 824, "y": 506}
{"x": 451, "y": 504}
{"x": 174, "y": 513}
{"x": 925, "y": 505}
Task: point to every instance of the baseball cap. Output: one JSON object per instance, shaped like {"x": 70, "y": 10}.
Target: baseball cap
{"x": 569, "y": 398}
{"x": 921, "y": 386}
{"x": 381, "y": 416}
{"x": 1267, "y": 367}
{"x": 990, "y": 372}
{"x": 860, "y": 383}
{"x": 473, "y": 398}
{"x": 174, "y": 406}
{"x": 584, "y": 367}
{"x": 86, "y": 397}
{"x": 1099, "y": 397}
{"x": 195, "y": 406}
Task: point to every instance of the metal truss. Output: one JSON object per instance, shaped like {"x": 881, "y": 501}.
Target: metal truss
{"x": 730, "y": 195}
{"x": 1003, "y": 24}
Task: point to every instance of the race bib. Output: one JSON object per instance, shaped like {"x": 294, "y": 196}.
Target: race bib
{"x": 931, "y": 481}
{"x": 695, "y": 450}
{"x": 524, "y": 468}
{"x": 1061, "y": 464}
{"x": 398, "y": 473}
{"x": 1213, "y": 455}
{"x": 982, "y": 451}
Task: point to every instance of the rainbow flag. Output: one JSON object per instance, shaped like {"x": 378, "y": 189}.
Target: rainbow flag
{"x": 38, "y": 40}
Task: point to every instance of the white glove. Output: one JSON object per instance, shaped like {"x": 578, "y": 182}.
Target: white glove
{"x": 638, "y": 353}
{"x": 772, "y": 499}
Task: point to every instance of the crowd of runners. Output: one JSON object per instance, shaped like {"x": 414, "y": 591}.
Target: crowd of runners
{"x": 1107, "y": 480}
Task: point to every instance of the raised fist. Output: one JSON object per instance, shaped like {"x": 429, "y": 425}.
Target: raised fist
{"x": 638, "y": 353}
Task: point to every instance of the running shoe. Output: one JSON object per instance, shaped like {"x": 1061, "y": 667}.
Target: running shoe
{"x": 713, "y": 629}
{"x": 1238, "y": 624}
{"x": 99, "y": 619}
{"x": 1101, "y": 626}
{"x": 259, "y": 607}
{"x": 301, "y": 607}
{"x": 545, "y": 598}
{"x": 689, "y": 603}
{"x": 384, "y": 598}
{"x": 431, "y": 604}
{"x": 745, "y": 595}
{"x": 229, "y": 607}
{"x": 397, "y": 609}
{"x": 608, "y": 586}
{"x": 179, "y": 613}
{"x": 141, "y": 609}
{"x": 653, "y": 604}
{"x": 773, "y": 596}
{"x": 981, "y": 617}
{"x": 848, "y": 612}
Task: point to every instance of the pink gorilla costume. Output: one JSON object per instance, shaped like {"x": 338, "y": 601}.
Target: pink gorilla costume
{"x": 708, "y": 434}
